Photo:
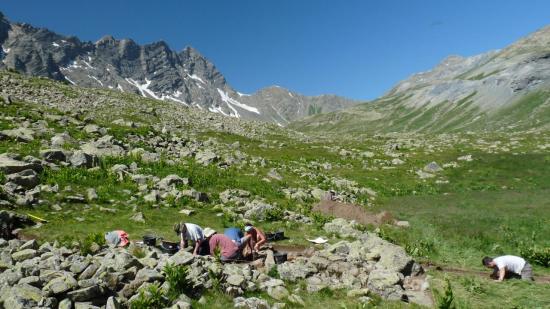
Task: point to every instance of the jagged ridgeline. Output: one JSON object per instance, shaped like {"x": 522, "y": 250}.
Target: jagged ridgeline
{"x": 504, "y": 90}
{"x": 152, "y": 70}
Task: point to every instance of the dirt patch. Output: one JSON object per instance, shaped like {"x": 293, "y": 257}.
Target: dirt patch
{"x": 481, "y": 274}
{"x": 297, "y": 250}
{"x": 353, "y": 212}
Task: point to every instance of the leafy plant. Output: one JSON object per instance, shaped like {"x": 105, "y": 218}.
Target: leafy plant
{"x": 91, "y": 239}
{"x": 151, "y": 298}
{"x": 446, "y": 299}
{"x": 216, "y": 279}
{"x": 273, "y": 272}
{"x": 320, "y": 220}
{"x": 137, "y": 251}
{"x": 274, "y": 214}
{"x": 420, "y": 248}
{"x": 176, "y": 276}
{"x": 472, "y": 285}
{"x": 537, "y": 255}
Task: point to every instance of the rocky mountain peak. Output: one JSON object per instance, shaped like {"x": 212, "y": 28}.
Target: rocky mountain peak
{"x": 151, "y": 70}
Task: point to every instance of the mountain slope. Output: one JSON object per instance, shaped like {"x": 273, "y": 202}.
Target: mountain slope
{"x": 497, "y": 90}
{"x": 152, "y": 70}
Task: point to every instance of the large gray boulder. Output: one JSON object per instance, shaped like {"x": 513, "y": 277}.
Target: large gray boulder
{"x": 85, "y": 294}
{"x": 206, "y": 157}
{"x": 27, "y": 178}
{"x": 24, "y": 135}
{"x": 258, "y": 210}
{"x": 80, "y": 158}
{"x": 105, "y": 146}
{"x": 20, "y": 296}
{"x": 386, "y": 283}
{"x": 298, "y": 269}
{"x": 9, "y": 164}
{"x": 171, "y": 180}
{"x": 342, "y": 227}
{"x": 61, "y": 139}
{"x": 54, "y": 155}
{"x": 60, "y": 285}
{"x": 23, "y": 255}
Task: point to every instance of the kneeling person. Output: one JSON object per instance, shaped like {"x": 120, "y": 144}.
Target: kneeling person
{"x": 190, "y": 232}
{"x": 229, "y": 251}
{"x": 509, "y": 266}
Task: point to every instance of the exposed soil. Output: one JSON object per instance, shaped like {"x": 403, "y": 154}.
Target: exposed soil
{"x": 481, "y": 274}
{"x": 352, "y": 212}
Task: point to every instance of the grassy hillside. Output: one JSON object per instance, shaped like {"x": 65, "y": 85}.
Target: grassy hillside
{"x": 494, "y": 203}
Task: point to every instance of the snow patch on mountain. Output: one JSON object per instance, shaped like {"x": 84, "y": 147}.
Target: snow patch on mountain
{"x": 143, "y": 88}
{"x": 195, "y": 77}
{"x": 227, "y": 99}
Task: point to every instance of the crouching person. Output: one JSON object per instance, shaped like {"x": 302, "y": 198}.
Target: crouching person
{"x": 256, "y": 237}
{"x": 189, "y": 232}
{"x": 229, "y": 251}
{"x": 509, "y": 266}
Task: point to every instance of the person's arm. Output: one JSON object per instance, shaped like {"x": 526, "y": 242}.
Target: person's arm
{"x": 197, "y": 246}
{"x": 261, "y": 239}
{"x": 183, "y": 243}
{"x": 501, "y": 273}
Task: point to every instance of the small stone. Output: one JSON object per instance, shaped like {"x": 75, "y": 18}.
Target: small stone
{"x": 278, "y": 292}
{"x": 138, "y": 217}
{"x": 403, "y": 224}
{"x": 92, "y": 194}
{"x": 23, "y": 255}
{"x": 187, "y": 212}
{"x": 31, "y": 244}
{"x": 235, "y": 280}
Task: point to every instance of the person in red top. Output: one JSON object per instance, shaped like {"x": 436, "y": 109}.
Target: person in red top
{"x": 257, "y": 237}
{"x": 228, "y": 249}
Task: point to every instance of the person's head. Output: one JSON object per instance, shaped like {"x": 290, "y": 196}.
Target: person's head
{"x": 488, "y": 262}
{"x": 208, "y": 232}
{"x": 180, "y": 228}
{"x": 248, "y": 228}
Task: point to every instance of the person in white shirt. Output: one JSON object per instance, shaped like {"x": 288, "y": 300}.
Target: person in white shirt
{"x": 509, "y": 266}
{"x": 189, "y": 232}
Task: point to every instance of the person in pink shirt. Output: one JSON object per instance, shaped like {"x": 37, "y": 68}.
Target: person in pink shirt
{"x": 228, "y": 249}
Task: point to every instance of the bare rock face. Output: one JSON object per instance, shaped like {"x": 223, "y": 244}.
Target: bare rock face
{"x": 185, "y": 77}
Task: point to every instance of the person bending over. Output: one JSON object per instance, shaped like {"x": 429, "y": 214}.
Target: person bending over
{"x": 509, "y": 266}
{"x": 190, "y": 232}
{"x": 229, "y": 251}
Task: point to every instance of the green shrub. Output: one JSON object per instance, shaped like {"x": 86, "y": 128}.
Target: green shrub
{"x": 420, "y": 248}
{"x": 152, "y": 298}
{"x": 176, "y": 276}
{"x": 445, "y": 300}
{"x": 87, "y": 243}
{"x": 472, "y": 285}
{"x": 320, "y": 219}
{"x": 536, "y": 255}
{"x": 215, "y": 279}
{"x": 137, "y": 251}
{"x": 274, "y": 272}
{"x": 274, "y": 214}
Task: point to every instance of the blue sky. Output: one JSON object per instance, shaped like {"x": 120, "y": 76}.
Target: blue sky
{"x": 353, "y": 48}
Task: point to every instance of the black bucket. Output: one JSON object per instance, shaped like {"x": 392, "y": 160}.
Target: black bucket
{"x": 150, "y": 240}
{"x": 280, "y": 257}
{"x": 169, "y": 247}
{"x": 275, "y": 236}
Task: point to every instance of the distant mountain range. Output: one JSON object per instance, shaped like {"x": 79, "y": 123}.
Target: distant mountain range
{"x": 152, "y": 70}
{"x": 502, "y": 90}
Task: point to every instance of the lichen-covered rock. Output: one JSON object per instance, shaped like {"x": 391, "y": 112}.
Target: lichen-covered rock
{"x": 386, "y": 283}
